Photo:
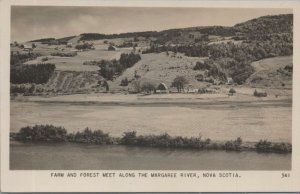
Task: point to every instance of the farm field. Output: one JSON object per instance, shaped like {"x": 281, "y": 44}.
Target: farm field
{"x": 76, "y": 63}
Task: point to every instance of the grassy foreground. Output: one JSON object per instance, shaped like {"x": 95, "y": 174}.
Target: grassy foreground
{"x": 50, "y": 133}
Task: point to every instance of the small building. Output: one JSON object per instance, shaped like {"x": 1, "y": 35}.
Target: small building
{"x": 27, "y": 48}
{"x": 162, "y": 89}
{"x": 191, "y": 89}
{"x": 69, "y": 45}
{"x": 229, "y": 81}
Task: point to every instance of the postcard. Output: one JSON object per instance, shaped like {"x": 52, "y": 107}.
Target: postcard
{"x": 150, "y": 96}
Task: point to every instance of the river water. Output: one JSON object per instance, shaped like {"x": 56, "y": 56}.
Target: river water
{"x": 219, "y": 122}
{"x": 115, "y": 157}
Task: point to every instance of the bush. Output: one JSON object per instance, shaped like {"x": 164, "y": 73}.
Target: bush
{"x": 111, "y": 48}
{"x": 45, "y": 59}
{"x": 165, "y": 140}
{"x": 202, "y": 66}
{"x": 60, "y": 54}
{"x": 289, "y": 68}
{"x": 85, "y": 46}
{"x": 260, "y": 94}
{"x": 232, "y": 91}
{"x": 148, "y": 87}
{"x": 129, "y": 138}
{"x": 267, "y": 146}
{"x": 199, "y": 77}
{"x": 234, "y": 145}
{"x": 90, "y": 137}
{"x": 124, "y": 82}
{"x": 42, "y": 133}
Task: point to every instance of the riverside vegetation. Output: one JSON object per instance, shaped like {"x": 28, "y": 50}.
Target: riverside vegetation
{"x": 50, "y": 133}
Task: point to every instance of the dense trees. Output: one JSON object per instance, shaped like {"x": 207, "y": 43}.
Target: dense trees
{"x": 38, "y": 74}
{"x": 109, "y": 69}
{"x": 96, "y": 36}
{"x": 85, "y": 46}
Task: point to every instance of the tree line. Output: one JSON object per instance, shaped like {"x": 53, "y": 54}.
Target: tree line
{"x": 17, "y": 58}
{"x": 50, "y": 133}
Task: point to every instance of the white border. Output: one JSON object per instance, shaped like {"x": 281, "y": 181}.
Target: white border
{"x": 253, "y": 181}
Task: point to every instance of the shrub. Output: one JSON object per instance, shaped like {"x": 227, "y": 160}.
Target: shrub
{"x": 202, "y": 66}
{"x": 85, "y": 46}
{"x": 232, "y": 91}
{"x": 148, "y": 87}
{"x": 45, "y": 59}
{"x": 199, "y": 77}
{"x": 260, "y": 94}
{"x": 90, "y": 137}
{"x": 234, "y": 145}
{"x": 111, "y": 48}
{"x": 267, "y": 146}
{"x": 124, "y": 82}
{"x": 129, "y": 138}
{"x": 289, "y": 68}
{"x": 61, "y": 54}
{"x": 42, "y": 133}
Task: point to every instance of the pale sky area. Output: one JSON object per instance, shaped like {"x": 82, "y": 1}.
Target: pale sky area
{"x": 34, "y": 22}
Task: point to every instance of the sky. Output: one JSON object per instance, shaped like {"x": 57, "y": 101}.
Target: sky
{"x": 34, "y": 22}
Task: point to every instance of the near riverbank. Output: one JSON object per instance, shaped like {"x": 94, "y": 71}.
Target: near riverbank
{"x": 50, "y": 133}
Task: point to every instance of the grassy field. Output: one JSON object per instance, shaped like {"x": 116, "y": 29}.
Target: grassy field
{"x": 160, "y": 67}
{"x": 267, "y": 74}
{"x": 76, "y": 63}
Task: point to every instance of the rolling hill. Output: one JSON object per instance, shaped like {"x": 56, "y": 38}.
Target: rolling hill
{"x": 255, "y": 53}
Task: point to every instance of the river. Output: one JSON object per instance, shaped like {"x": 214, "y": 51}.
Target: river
{"x": 219, "y": 122}
{"x": 251, "y": 122}
{"x": 116, "y": 157}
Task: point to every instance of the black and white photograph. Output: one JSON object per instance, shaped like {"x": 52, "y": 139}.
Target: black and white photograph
{"x": 150, "y": 88}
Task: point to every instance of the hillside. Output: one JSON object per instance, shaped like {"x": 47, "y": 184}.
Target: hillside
{"x": 267, "y": 25}
{"x": 255, "y": 53}
{"x": 272, "y": 72}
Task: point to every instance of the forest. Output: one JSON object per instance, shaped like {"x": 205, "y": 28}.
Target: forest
{"x": 37, "y": 73}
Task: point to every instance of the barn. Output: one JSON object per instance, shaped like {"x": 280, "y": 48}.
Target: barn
{"x": 162, "y": 88}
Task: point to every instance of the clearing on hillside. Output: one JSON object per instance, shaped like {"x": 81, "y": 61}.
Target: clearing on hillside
{"x": 272, "y": 72}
